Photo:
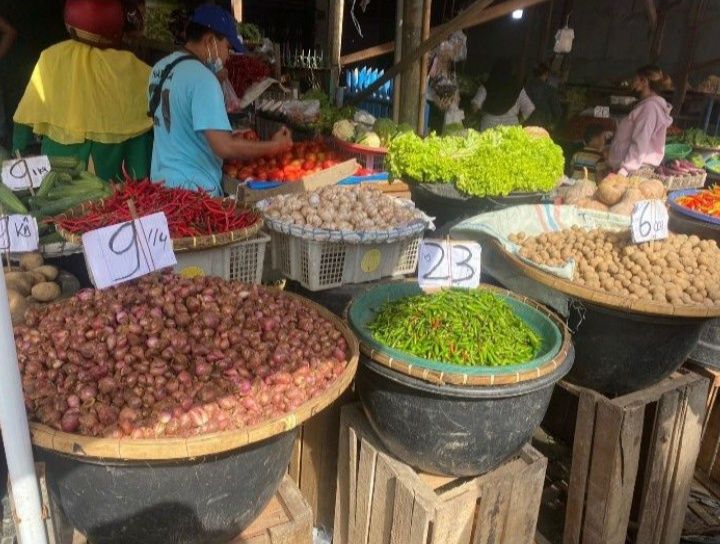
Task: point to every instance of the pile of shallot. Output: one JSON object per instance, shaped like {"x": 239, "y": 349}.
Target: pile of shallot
{"x": 338, "y": 207}
{"x": 167, "y": 356}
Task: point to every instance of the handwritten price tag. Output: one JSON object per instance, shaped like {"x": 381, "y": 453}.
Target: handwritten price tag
{"x": 18, "y": 233}
{"x": 649, "y": 221}
{"x": 126, "y": 251}
{"x": 449, "y": 264}
{"x": 19, "y": 174}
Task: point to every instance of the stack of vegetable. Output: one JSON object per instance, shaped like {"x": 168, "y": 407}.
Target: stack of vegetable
{"x": 496, "y": 162}
{"x": 244, "y": 71}
{"x": 64, "y": 187}
{"x": 463, "y": 327}
{"x": 614, "y": 194}
{"x": 174, "y": 357}
{"x": 189, "y": 213}
{"x": 679, "y": 270}
{"x": 304, "y": 158}
{"x": 365, "y": 130}
{"x": 678, "y": 169}
{"x": 32, "y": 283}
{"x": 336, "y": 207}
{"x": 697, "y": 137}
{"x": 706, "y": 201}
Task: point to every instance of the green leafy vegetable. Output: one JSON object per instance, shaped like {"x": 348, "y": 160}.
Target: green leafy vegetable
{"x": 470, "y": 328}
{"x": 496, "y": 162}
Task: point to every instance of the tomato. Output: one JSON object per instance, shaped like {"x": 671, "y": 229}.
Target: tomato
{"x": 261, "y": 162}
{"x": 293, "y": 177}
{"x": 328, "y": 163}
{"x": 261, "y": 176}
{"x": 320, "y": 156}
{"x": 276, "y": 174}
{"x": 244, "y": 173}
{"x": 308, "y": 165}
{"x": 297, "y": 163}
{"x": 310, "y": 156}
{"x": 272, "y": 163}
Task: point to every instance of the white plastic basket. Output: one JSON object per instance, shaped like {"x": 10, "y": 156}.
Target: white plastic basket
{"x": 324, "y": 265}
{"x": 241, "y": 261}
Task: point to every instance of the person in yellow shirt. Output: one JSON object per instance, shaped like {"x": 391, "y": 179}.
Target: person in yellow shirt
{"x": 86, "y": 98}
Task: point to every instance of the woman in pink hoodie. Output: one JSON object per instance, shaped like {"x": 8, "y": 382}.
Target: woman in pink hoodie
{"x": 640, "y": 137}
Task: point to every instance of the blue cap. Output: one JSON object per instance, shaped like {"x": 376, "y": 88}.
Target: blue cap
{"x": 220, "y": 21}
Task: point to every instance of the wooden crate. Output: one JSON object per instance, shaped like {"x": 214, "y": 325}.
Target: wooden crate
{"x": 314, "y": 462}
{"x": 633, "y": 460}
{"x": 382, "y": 500}
{"x": 708, "y": 463}
{"x": 703, "y": 513}
{"x": 287, "y": 519}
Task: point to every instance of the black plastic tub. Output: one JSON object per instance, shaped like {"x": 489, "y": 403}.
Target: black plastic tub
{"x": 207, "y": 500}
{"x": 683, "y": 224}
{"x": 453, "y": 430}
{"x": 618, "y": 352}
{"x": 443, "y": 202}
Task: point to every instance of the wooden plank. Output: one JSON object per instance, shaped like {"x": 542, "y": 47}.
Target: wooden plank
{"x": 336, "y": 13}
{"x": 454, "y": 520}
{"x": 690, "y": 435}
{"x": 681, "y": 378}
{"x": 342, "y": 491}
{"x": 365, "y": 482}
{"x": 494, "y": 12}
{"x": 581, "y": 456}
{"x": 402, "y": 512}
{"x": 424, "y": 67}
{"x": 421, "y": 520}
{"x": 613, "y": 471}
{"x": 383, "y": 500}
{"x": 525, "y": 499}
{"x": 411, "y": 41}
{"x": 296, "y": 458}
{"x": 663, "y": 450}
{"x": 354, "y": 457}
{"x": 493, "y": 510}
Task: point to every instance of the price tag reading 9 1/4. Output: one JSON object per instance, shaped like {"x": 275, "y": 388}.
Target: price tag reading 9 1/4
{"x": 20, "y": 174}
{"x": 126, "y": 251}
{"x": 649, "y": 221}
{"x": 445, "y": 263}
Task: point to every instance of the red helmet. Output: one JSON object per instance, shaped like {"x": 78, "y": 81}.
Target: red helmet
{"x": 98, "y": 22}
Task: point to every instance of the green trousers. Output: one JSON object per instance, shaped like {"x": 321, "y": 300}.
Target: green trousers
{"x": 108, "y": 159}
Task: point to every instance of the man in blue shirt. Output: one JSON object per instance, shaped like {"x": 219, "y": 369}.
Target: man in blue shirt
{"x": 191, "y": 127}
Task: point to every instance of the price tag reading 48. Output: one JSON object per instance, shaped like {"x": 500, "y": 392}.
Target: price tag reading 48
{"x": 649, "y": 221}
{"x": 444, "y": 263}
{"x": 126, "y": 251}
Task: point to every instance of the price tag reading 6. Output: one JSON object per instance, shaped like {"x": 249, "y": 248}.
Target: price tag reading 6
{"x": 649, "y": 221}
{"x": 129, "y": 250}
{"x": 449, "y": 264}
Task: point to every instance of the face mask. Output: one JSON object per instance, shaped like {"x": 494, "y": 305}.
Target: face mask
{"x": 216, "y": 65}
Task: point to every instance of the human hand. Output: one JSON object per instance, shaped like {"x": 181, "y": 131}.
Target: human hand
{"x": 283, "y": 138}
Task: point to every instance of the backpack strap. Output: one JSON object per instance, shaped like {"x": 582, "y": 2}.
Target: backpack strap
{"x": 156, "y": 95}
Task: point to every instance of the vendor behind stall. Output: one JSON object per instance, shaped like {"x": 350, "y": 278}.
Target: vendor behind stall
{"x": 87, "y": 99}
{"x": 502, "y": 100}
{"x": 191, "y": 126}
{"x": 640, "y": 137}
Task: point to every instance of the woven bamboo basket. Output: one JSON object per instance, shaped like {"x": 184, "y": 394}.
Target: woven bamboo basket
{"x": 499, "y": 378}
{"x": 159, "y": 449}
{"x": 179, "y": 244}
{"x": 607, "y": 300}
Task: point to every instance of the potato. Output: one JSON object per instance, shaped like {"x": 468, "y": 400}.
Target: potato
{"x": 19, "y": 285}
{"x": 49, "y": 271}
{"x": 37, "y": 277}
{"x": 18, "y": 306}
{"x": 46, "y": 291}
{"x": 30, "y": 261}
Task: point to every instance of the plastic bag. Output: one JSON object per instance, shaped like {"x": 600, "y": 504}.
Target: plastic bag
{"x": 454, "y": 115}
{"x": 564, "y": 40}
{"x": 232, "y": 102}
{"x": 301, "y": 111}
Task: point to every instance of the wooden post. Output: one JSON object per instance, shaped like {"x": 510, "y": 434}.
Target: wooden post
{"x": 335, "y": 30}
{"x": 546, "y": 31}
{"x": 411, "y": 40}
{"x": 398, "y": 58}
{"x": 681, "y": 83}
{"x": 424, "y": 68}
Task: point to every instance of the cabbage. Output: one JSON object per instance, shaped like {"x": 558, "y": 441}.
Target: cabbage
{"x": 344, "y": 130}
{"x": 370, "y": 139}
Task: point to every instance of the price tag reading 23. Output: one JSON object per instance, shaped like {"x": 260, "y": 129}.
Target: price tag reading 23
{"x": 126, "y": 251}
{"x": 449, "y": 264}
{"x": 649, "y": 221}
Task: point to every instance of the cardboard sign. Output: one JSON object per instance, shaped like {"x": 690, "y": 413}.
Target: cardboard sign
{"x": 21, "y": 174}
{"x": 18, "y": 233}
{"x": 126, "y": 251}
{"x": 649, "y": 221}
{"x": 445, "y": 263}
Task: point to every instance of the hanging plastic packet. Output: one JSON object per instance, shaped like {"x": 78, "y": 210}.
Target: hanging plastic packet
{"x": 232, "y": 102}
